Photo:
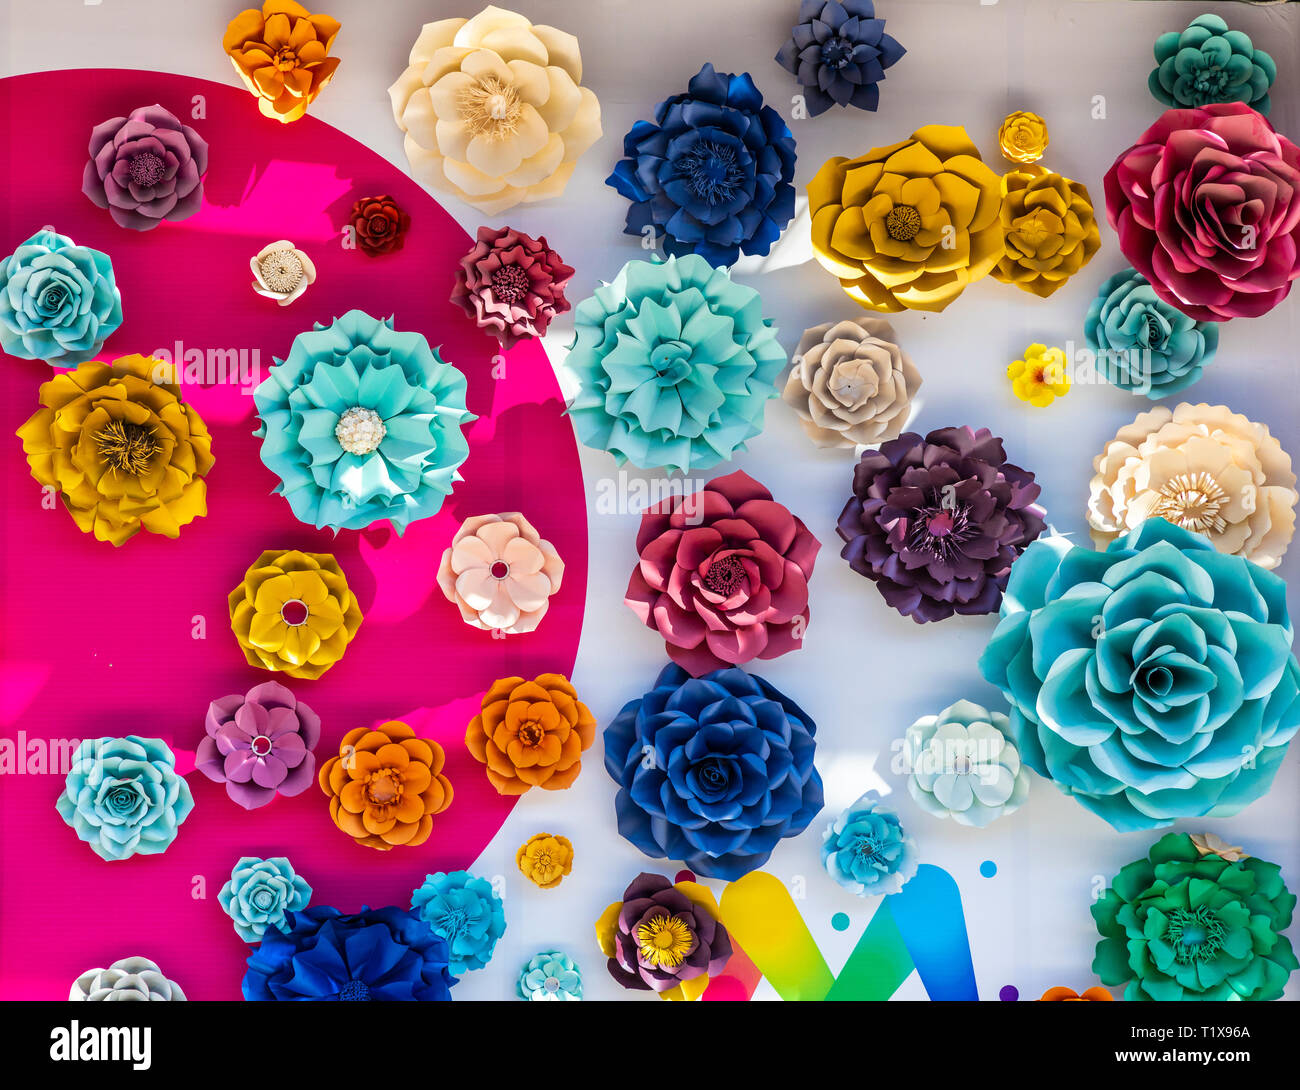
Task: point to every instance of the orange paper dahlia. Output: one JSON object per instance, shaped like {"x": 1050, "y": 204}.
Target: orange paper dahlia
{"x": 281, "y": 54}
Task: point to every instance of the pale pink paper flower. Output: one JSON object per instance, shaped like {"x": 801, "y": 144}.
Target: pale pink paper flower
{"x": 500, "y": 573}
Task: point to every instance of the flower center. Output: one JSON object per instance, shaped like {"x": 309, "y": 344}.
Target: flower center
{"x": 1210, "y": 80}
{"x": 510, "y": 283}
{"x": 711, "y": 170}
{"x": 551, "y": 985}
{"x": 51, "y": 298}
{"x": 499, "y": 569}
{"x": 122, "y": 799}
{"x": 837, "y": 52}
{"x": 531, "y": 733}
{"x": 866, "y": 848}
{"x": 146, "y": 168}
{"x": 383, "y": 787}
{"x": 671, "y": 361}
{"x": 261, "y": 745}
{"x": 903, "y": 223}
{"x": 1193, "y": 501}
{"x": 451, "y": 922}
{"x": 355, "y": 991}
{"x": 286, "y": 59}
{"x": 1155, "y": 331}
{"x": 282, "y": 270}
{"x": 263, "y": 900}
{"x": 294, "y": 612}
{"x": 939, "y": 529}
{"x": 1159, "y": 679}
{"x": 1032, "y": 229}
{"x": 360, "y": 431}
{"x": 378, "y": 225}
{"x": 490, "y": 108}
{"x": 725, "y": 576}
{"x": 1195, "y": 934}
{"x": 128, "y": 448}
{"x": 664, "y": 941}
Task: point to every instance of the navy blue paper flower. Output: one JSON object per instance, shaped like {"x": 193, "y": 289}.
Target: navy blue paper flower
{"x": 711, "y": 174}
{"x": 838, "y": 51}
{"x": 713, "y": 771}
{"x": 383, "y": 954}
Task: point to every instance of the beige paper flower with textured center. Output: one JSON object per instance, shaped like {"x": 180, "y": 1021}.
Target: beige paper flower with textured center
{"x": 493, "y": 110}
{"x": 282, "y": 272}
{"x": 851, "y": 383}
{"x": 1202, "y": 467}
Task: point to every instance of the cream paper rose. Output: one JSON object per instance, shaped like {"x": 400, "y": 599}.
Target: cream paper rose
{"x": 492, "y": 109}
{"x": 1204, "y": 468}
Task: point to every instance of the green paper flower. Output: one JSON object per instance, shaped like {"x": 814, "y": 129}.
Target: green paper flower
{"x": 1181, "y": 924}
{"x": 1207, "y": 63}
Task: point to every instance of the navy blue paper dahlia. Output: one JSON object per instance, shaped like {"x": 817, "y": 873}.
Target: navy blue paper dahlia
{"x": 838, "y": 51}
{"x": 714, "y": 771}
{"x": 711, "y": 174}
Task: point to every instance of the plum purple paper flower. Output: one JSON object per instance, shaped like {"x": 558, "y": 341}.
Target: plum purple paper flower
{"x": 838, "y": 51}
{"x": 511, "y": 284}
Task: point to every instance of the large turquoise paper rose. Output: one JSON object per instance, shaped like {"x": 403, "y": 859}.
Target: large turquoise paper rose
{"x": 1207, "y": 63}
{"x": 1187, "y": 923}
{"x": 1153, "y": 681}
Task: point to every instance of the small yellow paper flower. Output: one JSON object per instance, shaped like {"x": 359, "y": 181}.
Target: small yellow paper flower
{"x": 1041, "y": 377}
{"x": 1023, "y": 137}
{"x": 545, "y": 859}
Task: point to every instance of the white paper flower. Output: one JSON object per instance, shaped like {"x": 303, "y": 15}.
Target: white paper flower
{"x": 282, "y": 272}
{"x": 134, "y": 979}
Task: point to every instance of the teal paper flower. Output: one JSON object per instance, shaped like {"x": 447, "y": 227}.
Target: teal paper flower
{"x": 1207, "y": 63}
{"x": 123, "y": 796}
{"x": 259, "y": 893}
{"x": 551, "y": 976}
{"x": 1153, "y": 681}
{"x": 362, "y": 423}
{"x": 676, "y": 363}
{"x": 465, "y": 911}
{"x": 1187, "y": 923}
{"x": 867, "y": 851}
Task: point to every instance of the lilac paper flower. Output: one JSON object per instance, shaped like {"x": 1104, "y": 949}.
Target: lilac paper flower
{"x": 259, "y": 744}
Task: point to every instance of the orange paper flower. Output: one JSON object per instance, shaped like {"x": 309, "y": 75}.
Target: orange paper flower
{"x": 385, "y": 786}
{"x": 1069, "y": 995}
{"x": 281, "y": 54}
{"x": 545, "y": 860}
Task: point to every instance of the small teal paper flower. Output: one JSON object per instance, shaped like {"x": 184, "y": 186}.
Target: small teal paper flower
{"x": 58, "y": 301}
{"x": 866, "y": 850}
{"x": 465, "y": 911}
{"x": 362, "y": 423}
{"x": 123, "y": 796}
{"x": 259, "y": 893}
{"x": 550, "y": 976}
{"x": 1207, "y": 63}
{"x": 676, "y": 363}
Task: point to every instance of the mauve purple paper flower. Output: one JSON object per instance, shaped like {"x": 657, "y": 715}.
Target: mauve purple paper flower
{"x": 936, "y": 522}
{"x": 259, "y": 744}
{"x": 146, "y": 168}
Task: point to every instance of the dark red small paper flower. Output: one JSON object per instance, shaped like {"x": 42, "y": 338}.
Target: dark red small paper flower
{"x": 380, "y": 225}
{"x": 511, "y": 284}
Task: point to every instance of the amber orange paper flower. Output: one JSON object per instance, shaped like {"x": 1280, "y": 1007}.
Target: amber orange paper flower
{"x": 545, "y": 860}
{"x": 531, "y": 734}
{"x": 281, "y": 54}
{"x": 1068, "y": 995}
{"x": 385, "y": 786}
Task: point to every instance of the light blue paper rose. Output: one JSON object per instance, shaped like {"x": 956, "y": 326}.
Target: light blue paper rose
{"x": 58, "y": 301}
{"x": 550, "y": 976}
{"x": 123, "y": 796}
{"x": 259, "y": 893}
{"x": 362, "y": 423}
{"x": 1153, "y": 681}
{"x": 866, "y": 850}
{"x": 465, "y": 911}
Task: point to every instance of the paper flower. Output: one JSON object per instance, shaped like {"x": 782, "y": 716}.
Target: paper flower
{"x": 711, "y": 174}
{"x": 723, "y": 574}
{"x": 531, "y": 734}
{"x": 908, "y": 226}
{"x": 1041, "y": 377}
{"x": 838, "y": 51}
{"x": 545, "y": 860}
{"x": 659, "y": 939}
{"x": 123, "y": 796}
{"x": 385, "y": 786}
{"x": 465, "y": 911}
{"x": 550, "y": 976}
{"x": 379, "y": 225}
{"x": 146, "y": 168}
{"x": 866, "y": 850}
{"x": 1050, "y": 228}
{"x": 130, "y": 980}
{"x": 1069, "y": 995}
{"x": 1022, "y": 137}
{"x": 1201, "y": 467}
{"x": 936, "y": 522}
{"x": 1154, "y": 681}
{"x": 851, "y": 383}
{"x": 1207, "y": 63}
{"x": 1143, "y": 343}
{"x": 59, "y": 301}
{"x": 1182, "y": 925}
{"x": 714, "y": 771}
{"x": 294, "y": 612}
{"x": 1209, "y": 844}
{"x": 675, "y": 362}
{"x": 492, "y": 109}
{"x": 1207, "y": 208}
{"x": 500, "y": 573}
{"x": 282, "y": 272}
{"x": 121, "y": 448}
{"x": 259, "y": 894}
{"x": 281, "y": 54}
{"x": 511, "y": 284}
{"x": 962, "y": 764}
{"x": 362, "y": 423}
{"x": 380, "y": 954}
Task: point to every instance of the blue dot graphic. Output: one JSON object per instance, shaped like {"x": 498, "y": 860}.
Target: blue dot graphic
{"x": 840, "y": 921}
{"x": 988, "y": 868}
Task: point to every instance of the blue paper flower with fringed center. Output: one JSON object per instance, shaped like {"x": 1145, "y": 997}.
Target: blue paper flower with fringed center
{"x": 464, "y": 910}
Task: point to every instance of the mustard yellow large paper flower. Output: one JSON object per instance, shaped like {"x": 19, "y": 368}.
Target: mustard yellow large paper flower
{"x": 294, "y": 613}
{"x": 1050, "y": 227}
{"x": 124, "y": 452}
{"x": 493, "y": 110}
{"x": 908, "y": 226}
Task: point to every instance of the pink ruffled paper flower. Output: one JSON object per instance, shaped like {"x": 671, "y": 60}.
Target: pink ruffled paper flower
{"x": 500, "y": 573}
{"x": 511, "y": 284}
{"x": 1207, "y": 208}
{"x": 723, "y": 575}
{"x": 259, "y": 745}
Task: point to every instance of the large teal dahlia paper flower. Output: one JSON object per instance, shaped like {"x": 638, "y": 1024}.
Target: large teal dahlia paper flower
{"x": 1208, "y": 63}
{"x": 1153, "y": 681}
{"x": 676, "y": 363}
{"x": 1189, "y": 923}
{"x": 464, "y": 910}
{"x": 362, "y": 423}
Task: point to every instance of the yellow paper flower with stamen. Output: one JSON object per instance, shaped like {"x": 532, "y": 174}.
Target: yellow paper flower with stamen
{"x": 282, "y": 55}
{"x": 1051, "y": 230}
{"x": 1023, "y": 137}
{"x": 545, "y": 860}
{"x": 1041, "y": 377}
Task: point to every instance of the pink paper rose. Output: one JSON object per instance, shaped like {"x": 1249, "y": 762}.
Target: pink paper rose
{"x": 500, "y": 573}
{"x": 511, "y": 284}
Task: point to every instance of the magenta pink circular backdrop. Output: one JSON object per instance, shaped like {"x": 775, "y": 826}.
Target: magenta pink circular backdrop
{"x": 101, "y": 641}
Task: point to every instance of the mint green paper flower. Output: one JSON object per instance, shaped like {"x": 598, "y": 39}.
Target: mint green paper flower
{"x": 676, "y": 363}
{"x": 259, "y": 893}
{"x": 550, "y": 976}
{"x": 1207, "y": 63}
